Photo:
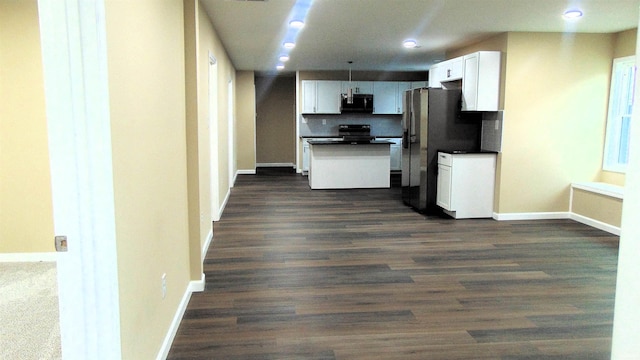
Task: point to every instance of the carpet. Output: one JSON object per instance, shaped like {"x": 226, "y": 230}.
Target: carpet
{"x": 29, "y": 316}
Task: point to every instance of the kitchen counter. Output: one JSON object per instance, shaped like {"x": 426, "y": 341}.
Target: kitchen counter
{"x": 463, "y": 152}
{"x": 338, "y": 164}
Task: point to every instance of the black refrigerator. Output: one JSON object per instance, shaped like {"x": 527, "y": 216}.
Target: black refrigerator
{"x": 432, "y": 122}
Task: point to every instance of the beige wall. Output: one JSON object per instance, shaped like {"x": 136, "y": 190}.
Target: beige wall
{"x": 554, "y": 95}
{"x": 275, "y": 119}
{"x": 208, "y": 41}
{"x": 147, "y": 104}
{"x": 598, "y": 207}
{"x": 246, "y": 121}
{"x": 26, "y": 213}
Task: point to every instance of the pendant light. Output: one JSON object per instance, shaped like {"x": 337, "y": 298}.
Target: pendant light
{"x": 350, "y": 90}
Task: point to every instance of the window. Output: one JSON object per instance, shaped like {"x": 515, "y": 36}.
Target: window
{"x": 621, "y": 94}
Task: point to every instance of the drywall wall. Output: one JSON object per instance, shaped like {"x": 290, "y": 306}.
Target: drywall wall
{"x": 26, "y": 212}
{"x": 275, "y": 119}
{"x": 147, "y": 104}
{"x": 246, "y": 124}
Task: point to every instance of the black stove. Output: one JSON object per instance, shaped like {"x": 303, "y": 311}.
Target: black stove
{"x": 355, "y": 133}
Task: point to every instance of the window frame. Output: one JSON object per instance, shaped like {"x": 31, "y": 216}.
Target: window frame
{"x": 618, "y": 121}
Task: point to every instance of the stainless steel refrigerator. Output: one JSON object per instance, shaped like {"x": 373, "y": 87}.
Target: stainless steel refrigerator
{"x": 432, "y": 122}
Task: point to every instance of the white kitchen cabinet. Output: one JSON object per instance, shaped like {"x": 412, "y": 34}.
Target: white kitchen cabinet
{"x": 452, "y": 69}
{"x": 359, "y": 87}
{"x": 402, "y": 87}
{"x": 435, "y": 76}
{"x": 395, "y": 150}
{"x": 387, "y": 96}
{"x": 481, "y": 81}
{"x": 419, "y": 84}
{"x": 321, "y": 97}
{"x": 466, "y": 183}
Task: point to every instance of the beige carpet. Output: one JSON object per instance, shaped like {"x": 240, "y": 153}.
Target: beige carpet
{"x": 29, "y": 320}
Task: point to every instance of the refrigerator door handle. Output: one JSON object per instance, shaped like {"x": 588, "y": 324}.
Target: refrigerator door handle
{"x": 405, "y": 139}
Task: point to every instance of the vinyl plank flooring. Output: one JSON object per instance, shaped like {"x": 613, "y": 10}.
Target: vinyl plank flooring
{"x": 355, "y": 274}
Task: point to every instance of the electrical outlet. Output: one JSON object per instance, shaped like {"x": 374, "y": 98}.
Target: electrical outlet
{"x": 324, "y": 121}
{"x": 164, "y": 285}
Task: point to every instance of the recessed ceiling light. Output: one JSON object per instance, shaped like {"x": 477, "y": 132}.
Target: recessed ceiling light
{"x": 289, "y": 45}
{"x": 410, "y": 44}
{"x": 280, "y": 67}
{"x": 572, "y": 14}
{"x": 284, "y": 58}
{"x": 296, "y": 24}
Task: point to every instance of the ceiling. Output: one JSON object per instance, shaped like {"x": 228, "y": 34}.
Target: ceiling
{"x": 370, "y": 32}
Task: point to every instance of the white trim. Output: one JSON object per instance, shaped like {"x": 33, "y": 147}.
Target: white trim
{"x": 247, "y": 172}
{"x": 76, "y": 85}
{"x": 291, "y": 165}
{"x": 600, "y": 188}
{"x": 223, "y": 205}
{"x": 595, "y": 223}
{"x": 531, "y": 216}
{"x": 194, "y": 286}
{"x": 29, "y": 257}
{"x": 207, "y": 242}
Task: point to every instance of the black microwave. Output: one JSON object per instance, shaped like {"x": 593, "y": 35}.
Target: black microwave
{"x": 362, "y": 103}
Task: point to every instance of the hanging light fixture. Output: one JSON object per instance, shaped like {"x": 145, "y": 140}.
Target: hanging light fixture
{"x": 350, "y": 90}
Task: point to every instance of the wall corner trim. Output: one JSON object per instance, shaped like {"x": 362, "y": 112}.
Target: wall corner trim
{"x": 194, "y": 286}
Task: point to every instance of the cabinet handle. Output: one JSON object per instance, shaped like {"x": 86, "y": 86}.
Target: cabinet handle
{"x": 448, "y": 72}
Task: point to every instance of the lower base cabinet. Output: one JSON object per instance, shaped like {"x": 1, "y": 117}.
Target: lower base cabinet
{"x": 466, "y": 184}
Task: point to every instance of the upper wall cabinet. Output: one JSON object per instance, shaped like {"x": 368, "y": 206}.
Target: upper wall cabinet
{"x": 387, "y": 96}
{"x": 321, "y": 97}
{"x": 481, "y": 81}
{"x": 358, "y": 87}
{"x": 451, "y": 69}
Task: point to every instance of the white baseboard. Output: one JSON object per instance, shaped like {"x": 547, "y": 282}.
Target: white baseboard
{"x": 596, "y": 224}
{"x": 29, "y": 257}
{"x": 531, "y": 216}
{"x": 194, "y": 286}
{"x": 292, "y": 165}
{"x": 207, "y": 242}
{"x": 247, "y": 172}
{"x": 558, "y": 215}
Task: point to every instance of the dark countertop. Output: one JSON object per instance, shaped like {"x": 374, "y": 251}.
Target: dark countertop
{"x": 343, "y": 142}
{"x": 339, "y": 137}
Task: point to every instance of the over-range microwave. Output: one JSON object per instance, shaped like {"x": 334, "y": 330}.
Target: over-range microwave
{"x": 361, "y": 103}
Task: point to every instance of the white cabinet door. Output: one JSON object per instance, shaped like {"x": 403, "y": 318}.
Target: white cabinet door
{"x": 402, "y": 87}
{"x": 308, "y": 97}
{"x": 385, "y": 95}
{"x": 434, "y": 76}
{"x": 305, "y": 155}
{"x": 395, "y": 153}
{"x": 443, "y": 190}
{"x": 359, "y": 87}
{"x": 481, "y": 81}
{"x": 328, "y": 97}
{"x": 452, "y": 69}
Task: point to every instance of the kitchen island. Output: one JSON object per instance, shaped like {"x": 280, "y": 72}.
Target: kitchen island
{"x": 337, "y": 164}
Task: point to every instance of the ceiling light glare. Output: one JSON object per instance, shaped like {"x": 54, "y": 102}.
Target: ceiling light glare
{"x": 289, "y": 45}
{"x": 410, "y": 44}
{"x": 572, "y": 14}
{"x": 284, "y": 58}
{"x": 296, "y": 24}
{"x": 280, "y": 67}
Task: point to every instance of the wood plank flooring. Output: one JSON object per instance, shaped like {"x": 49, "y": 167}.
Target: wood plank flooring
{"x": 354, "y": 274}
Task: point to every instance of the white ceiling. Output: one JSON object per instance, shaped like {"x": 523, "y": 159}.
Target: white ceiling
{"x": 370, "y": 32}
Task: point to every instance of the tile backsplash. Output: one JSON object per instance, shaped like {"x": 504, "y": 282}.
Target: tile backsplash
{"x": 327, "y": 125}
{"x": 492, "y": 131}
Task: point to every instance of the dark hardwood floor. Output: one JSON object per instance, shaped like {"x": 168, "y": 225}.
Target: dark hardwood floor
{"x": 355, "y": 274}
